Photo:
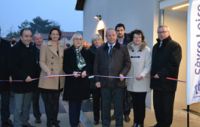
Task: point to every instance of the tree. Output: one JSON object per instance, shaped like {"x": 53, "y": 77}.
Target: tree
{"x": 12, "y": 34}
{"x": 24, "y": 24}
{"x": 42, "y": 26}
{"x": 36, "y": 25}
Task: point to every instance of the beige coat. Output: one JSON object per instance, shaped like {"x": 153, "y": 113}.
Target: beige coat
{"x": 140, "y": 66}
{"x": 51, "y": 62}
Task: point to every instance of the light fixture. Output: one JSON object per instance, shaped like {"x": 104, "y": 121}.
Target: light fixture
{"x": 98, "y": 17}
{"x": 180, "y": 6}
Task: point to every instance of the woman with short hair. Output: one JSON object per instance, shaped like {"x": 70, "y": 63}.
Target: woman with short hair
{"x": 139, "y": 85}
{"x": 77, "y": 61}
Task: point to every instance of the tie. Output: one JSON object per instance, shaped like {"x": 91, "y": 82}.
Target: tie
{"x": 110, "y": 50}
{"x": 160, "y": 44}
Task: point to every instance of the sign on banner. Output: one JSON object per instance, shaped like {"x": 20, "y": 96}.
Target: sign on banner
{"x": 193, "y": 52}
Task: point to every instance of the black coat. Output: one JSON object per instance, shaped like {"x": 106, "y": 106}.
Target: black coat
{"x": 165, "y": 62}
{"x": 127, "y": 39}
{"x": 4, "y": 64}
{"x": 24, "y": 63}
{"x": 114, "y": 65}
{"x": 93, "y": 50}
{"x": 76, "y": 88}
{"x": 38, "y": 69}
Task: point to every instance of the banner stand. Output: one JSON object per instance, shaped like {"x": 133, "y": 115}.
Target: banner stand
{"x": 188, "y": 115}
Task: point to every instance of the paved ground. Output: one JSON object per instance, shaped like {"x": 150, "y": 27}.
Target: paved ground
{"x": 180, "y": 118}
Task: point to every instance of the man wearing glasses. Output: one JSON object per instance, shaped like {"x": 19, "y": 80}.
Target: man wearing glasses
{"x": 166, "y": 57}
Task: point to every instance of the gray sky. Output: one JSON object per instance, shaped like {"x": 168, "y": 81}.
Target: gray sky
{"x": 14, "y": 12}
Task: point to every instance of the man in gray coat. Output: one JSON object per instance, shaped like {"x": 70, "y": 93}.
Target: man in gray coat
{"x": 112, "y": 59}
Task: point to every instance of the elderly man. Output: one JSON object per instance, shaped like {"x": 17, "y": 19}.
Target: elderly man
{"x": 112, "y": 59}
{"x": 38, "y": 40}
{"x": 166, "y": 57}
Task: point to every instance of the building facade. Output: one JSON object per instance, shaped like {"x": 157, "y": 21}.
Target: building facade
{"x": 146, "y": 15}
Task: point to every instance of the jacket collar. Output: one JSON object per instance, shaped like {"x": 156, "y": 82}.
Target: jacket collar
{"x": 117, "y": 46}
{"x": 165, "y": 41}
{"x": 23, "y": 45}
{"x": 54, "y": 50}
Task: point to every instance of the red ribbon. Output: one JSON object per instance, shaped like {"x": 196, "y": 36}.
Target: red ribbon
{"x": 92, "y": 76}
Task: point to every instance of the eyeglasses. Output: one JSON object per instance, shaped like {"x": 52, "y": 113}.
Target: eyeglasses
{"x": 137, "y": 37}
{"x": 78, "y": 39}
{"x": 160, "y": 32}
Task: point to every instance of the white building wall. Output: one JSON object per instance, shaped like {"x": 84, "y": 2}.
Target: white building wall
{"x": 135, "y": 14}
{"x": 140, "y": 14}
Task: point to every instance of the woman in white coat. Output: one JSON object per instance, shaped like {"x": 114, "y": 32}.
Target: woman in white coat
{"x": 139, "y": 85}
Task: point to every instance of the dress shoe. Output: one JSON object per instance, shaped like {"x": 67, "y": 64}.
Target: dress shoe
{"x": 28, "y": 125}
{"x": 7, "y": 124}
{"x": 96, "y": 122}
{"x": 138, "y": 125}
{"x": 38, "y": 121}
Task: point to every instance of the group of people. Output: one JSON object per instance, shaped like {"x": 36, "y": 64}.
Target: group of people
{"x": 124, "y": 70}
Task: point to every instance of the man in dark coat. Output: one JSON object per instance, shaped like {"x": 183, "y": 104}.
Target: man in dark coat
{"x": 4, "y": 85}
{"x": 38, "y": 40}
{"x": 112, "y": 59}
{"x": 166, "y": 58}
{"x": 124, "y": 38}
{"x": 24, "y": 66}
{"x": 97, "y": 42}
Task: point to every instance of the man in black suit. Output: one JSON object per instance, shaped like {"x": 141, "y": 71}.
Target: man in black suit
{"x": 166, "y": 58}
{"x": 5, "y": 85}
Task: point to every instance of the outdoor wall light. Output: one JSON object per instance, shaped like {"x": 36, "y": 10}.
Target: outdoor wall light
{"x": 98, "y": 17}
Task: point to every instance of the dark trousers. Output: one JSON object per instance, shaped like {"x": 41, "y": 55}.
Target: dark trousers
{"x": 163, "y": 105}
{"x": 108, "y": 95}
{"x": 51, "y": 103}
{"x": 127, "y": 102}
{"x": 96, "y": 95}
{"x": 139, "y": 106}
{"x": 74, "y": 112}
{"x": 35, "y": 104}
{"x": 5, "y": 106}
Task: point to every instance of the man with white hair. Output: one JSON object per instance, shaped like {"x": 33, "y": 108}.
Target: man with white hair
{"x": 38, "y": 40}
{"x": 112, "y": 59}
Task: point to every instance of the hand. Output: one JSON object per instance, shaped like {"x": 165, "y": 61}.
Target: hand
{"x": 49, "y": 75}
{"x": 139, "y": 77}
{"x": 76, "y": 74}
{"x": 10, "y": 79}
{"x": 28, "y": 79}
{"x": 98, "y": 84}
{"x": 156, "y": 76}
{"x": 83, "y": 74}
{"x": 121, "y": 77}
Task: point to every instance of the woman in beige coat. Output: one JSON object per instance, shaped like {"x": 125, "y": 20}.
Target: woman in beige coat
{"x": 139, "y": 85}
{"x": 51, "y": 63}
